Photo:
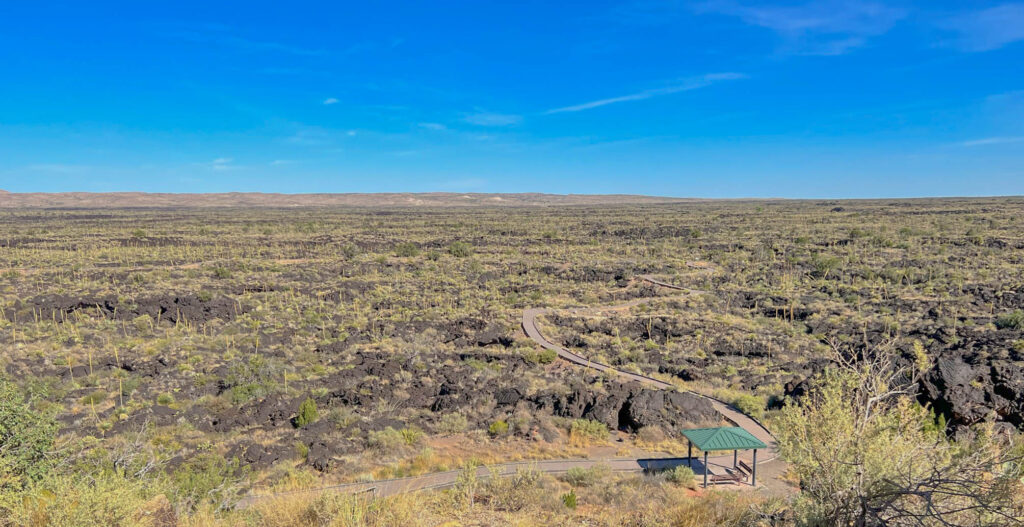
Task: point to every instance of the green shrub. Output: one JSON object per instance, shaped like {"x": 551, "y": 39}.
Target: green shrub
{"x": 498, "y": 428}
{"x": 1013, "y": 320}
{"x": 221, "y": 272}
{"x": 26, "y": 439}
{"x": 588, "y": 430}
{"x": 82, "y": 500}
{"x": 460, "y": 249}
{"x": 544, "y": 356}
{"x": 385, "y": 440}
{"x": 210, "y": 479}
{"x": 165, "y": 399}
{"x": 302, "y": 449}
{"x": 681, "y": 475}
{"x": 452, "y": 423}
{"x": 751, "y": 405}
{"x": 95, "y": 397}
{"x": 308, "y": 413}
{"x": 585, "y": 477}
{"x": 407, "y": 250}
{"x": 252, "y": 378}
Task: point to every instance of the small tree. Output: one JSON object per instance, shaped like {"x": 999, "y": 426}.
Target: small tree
{"x": 867, "y": 453}
{"x": 26, "y": 439}
{"x": 307, "y": 413}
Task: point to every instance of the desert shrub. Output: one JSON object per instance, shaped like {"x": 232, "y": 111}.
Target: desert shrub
{"x": 384, "y": 440}
{"x": 825, "y": 264}
{"x": 584, "y": 431}
{"x": 543, "y": 356}
{"x": 452, "y": 423}
{"x": 26, "y": 439}
{"x": 411, "y": 435}
{"x": 308, "y": 413}
{"x": 749, "y": 404}
{"x": 513, "y": 493}
{"x": 92, "y": 500}
{"x": 335, "y": 509}
{"x": 407, "y": 250}
{"x": 391, "y": 439}
{"x": 208, "y": 479}
{"x": 585, "y": 477}
{"x": 1013, "y": 320}
{"x": 342, "y": 417}
{"x": 498, "y": 428}
{"x": 460, "y": 249}
{"x": 165, "y": 399}
{"x": 143, "y": 322}
{"x": 221, "y": 272}
{"x": 251, "y": 378}
{"x": 681, "y": 475}
{"x": 95, "y": 397}
{"x": 302, "y": 449}
{"x": 866, "y": 452}
{"x": 349, "y": 251}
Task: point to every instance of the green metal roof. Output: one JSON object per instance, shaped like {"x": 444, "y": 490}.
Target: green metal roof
{"x": 723, "y": 438}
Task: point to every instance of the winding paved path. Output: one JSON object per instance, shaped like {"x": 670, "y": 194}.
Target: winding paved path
{"x": 438, "y": 480}
{"x": 738, "y": 418}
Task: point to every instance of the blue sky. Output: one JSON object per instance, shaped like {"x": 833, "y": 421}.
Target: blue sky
{"x": 715, "y": 98}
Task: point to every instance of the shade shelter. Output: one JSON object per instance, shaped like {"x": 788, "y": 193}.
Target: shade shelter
{"x": 723, "y": 438}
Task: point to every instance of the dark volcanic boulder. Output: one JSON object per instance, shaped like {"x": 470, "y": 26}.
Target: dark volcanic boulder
{"x": 970, "y": 393}
{"x": 630, "y": 407}
{"x": 507, "y": 396}
{"x": 260, "y": 456}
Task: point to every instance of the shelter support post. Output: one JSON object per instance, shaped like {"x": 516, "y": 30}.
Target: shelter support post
{"x": 753, "y": 471}
{"x": 705, "y": 469}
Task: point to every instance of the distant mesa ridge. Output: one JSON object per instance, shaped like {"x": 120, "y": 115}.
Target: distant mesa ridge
{"x": 256, "y": 199}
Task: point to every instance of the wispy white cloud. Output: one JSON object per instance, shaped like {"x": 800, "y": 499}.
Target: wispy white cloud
{"x": 330, "y": 100}
{"x": 687, "y": 85}
{"x": 217, "y": 37}
{"x": 993, "y": 141}
{"x": 220, "y": 164}
{"x": 987, "y": 29}
{"x": 433, "y": 126}
{"x": 482, "y": 118}
{"x": 309, "y": 136}
{"x": 282, "y": 162}
{"x": 830, "y": 27}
